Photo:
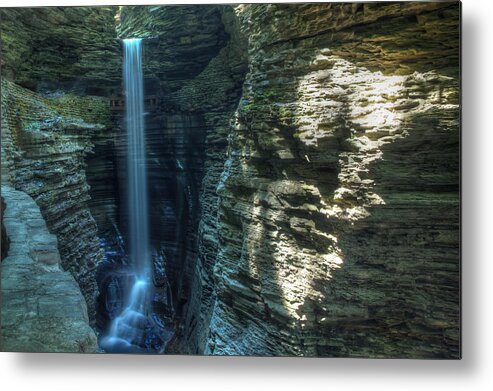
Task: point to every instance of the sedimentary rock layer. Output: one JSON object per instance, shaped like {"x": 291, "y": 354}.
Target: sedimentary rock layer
{"x": 312, "y": 210}
{"x": 179, "y": 41}
{"x": 44, "y": 143}
{"x": 42, "y": 308}
{"x": 68, "y": 48}
{"x": 338, "y": 227}
{"x": 195, "y": 63}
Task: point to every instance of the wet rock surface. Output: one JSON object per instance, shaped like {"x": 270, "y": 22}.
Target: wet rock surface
{"x": 340, "y": 181}
{"x": 179, "y": 41}
{"x": 42, "y": 308}
{"x": 188, "y": 134}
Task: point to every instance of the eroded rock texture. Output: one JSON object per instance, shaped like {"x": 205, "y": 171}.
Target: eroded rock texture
{"x": 44, "y": 144}
{"x": 195, "y": 63}
{"x": 311, "y": 208}
{"x": 69, "y": 48}
{"x": 338, "y": 227}
{"x": 42, "y": 309}
{"x": 67, "y": 55}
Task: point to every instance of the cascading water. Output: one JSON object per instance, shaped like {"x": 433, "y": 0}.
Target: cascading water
{"x": 127, "y": 329}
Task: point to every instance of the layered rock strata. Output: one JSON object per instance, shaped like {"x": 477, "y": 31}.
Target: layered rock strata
{"x": 44, "y": 144}
{"x": 328, "y": 199}
{"x": 179, "y": 41}
{"x": 42, "y": 308}
{"x": 49, "y": 50}
{"x": 338, "y": 227}
{"x": 67, "y": 48}
{"x": 215, "y": 92}
{"x": 195, "y": 63}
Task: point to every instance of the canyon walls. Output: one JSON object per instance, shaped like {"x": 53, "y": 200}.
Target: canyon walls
{"x": 195, "y": 62}
{"x": 53, "y": 66}
{"x": 67, "y": 48}
{"x": 303, "y": 165}
{"x": 338, "y": 221}
{"x": 42, "y": 309}
{"x": 331, "y": 227}
{"x": 44, "y": 144}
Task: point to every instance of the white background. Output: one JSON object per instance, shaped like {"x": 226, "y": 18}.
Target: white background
{"x": 473, "y": 372}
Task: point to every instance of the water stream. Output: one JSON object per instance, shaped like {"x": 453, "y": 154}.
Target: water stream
{"x": 126, "y": 332}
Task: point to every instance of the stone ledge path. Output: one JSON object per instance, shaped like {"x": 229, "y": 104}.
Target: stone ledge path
{"x": 42, "y": 308}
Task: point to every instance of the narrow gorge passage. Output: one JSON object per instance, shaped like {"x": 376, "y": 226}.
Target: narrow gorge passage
{"x": 244, "y": 179}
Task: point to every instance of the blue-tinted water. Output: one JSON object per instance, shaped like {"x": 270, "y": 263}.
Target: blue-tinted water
{"x": 126, "y": 332}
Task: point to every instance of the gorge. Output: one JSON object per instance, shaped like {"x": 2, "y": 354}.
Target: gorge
{"x": 296, "y": 166}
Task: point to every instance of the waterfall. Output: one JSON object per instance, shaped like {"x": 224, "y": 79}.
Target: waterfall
{"x": 127, "y": 329}
{"x": 136, "y": 157}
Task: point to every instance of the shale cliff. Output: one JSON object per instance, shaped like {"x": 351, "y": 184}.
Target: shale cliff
{"x": 195, "y": 61}
{"x": 52, "y": 67}
{"x": 44, "y": 144}
{"x": 42, "y": 309}
{"x": 338, "y": 222}
{"x": 68, "y": 48}
{"x": 303, "y": 164}
{"x": 329, "y": 198}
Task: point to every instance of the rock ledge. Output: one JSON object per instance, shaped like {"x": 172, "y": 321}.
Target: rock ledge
{"x": 42, "y": 308}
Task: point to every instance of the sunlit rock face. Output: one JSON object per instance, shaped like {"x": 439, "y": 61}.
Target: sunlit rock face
{"x": 338, "y": 221}
{"x": 311, "y": 208}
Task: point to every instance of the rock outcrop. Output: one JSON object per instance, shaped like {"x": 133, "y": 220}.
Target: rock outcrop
{"x": 342, "y": 166}
{"x": 303, "y": 163}
{"x": 51, "y": 51}
{"x": 44, "y": 144}
{"x": 42, "y": 308}
{"x": 49, "y": 137}
{"x": 179, "y": 41}
{"x": 338, "y": 226}
{"x": 67, "y": 48}
{"x": 195, "y": 63}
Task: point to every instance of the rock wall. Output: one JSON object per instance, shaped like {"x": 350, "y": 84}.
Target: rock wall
{"x": 338, "y": 222}
{"x": 216, "y": 93}
{"x": 195, "y": 63}
{"x": 179, "y": 41}
{"x": 67, "y": 55}
{"x": 102, "y": 174}
{"x": 68, "y": 48}
{"x": 42, "y": 308}
{"x": 44, "y": 144}
{"x": 311, "y": 208}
